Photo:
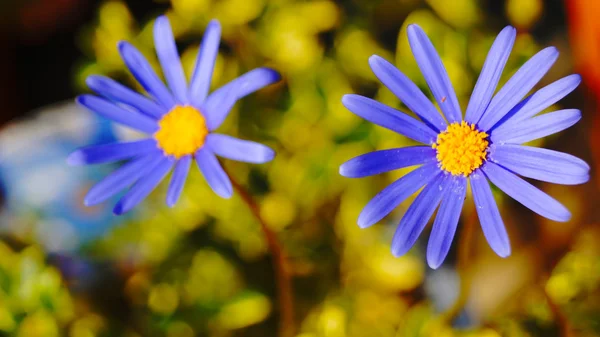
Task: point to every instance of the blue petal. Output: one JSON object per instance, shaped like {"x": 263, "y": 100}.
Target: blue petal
{"x": 389, "y": 118}
{"x": 418, "y": 214}
{"x": 144, "y": 186}
{"x": 489, "y": 216}
{"x": 517, "y": 87}
{"x": 377, "y": 162}
{"x": 214, "y": 174}
{"x": 200, "y": 83}
{"x": 490, "y": 74}
{"x": 108, "y": 153}
{"x": 166, "y": 49}
{"x": 393, "y": 195}
{"x": 178, "y": 180}
{"x": 105, "y": 108}
{"x": 122, "y": 178}
{"x": 407, "y": 92}
{"x": 252, "y": 81}
{"x": 434, "y": 72}
{"x": 541, "y": 164}
{"x": 444, "y": 226}
{"x": 536, "y": 127}
{"x": 545, "y": 97}
{"x": 218, "y": 105}
{"x": 121, "y": 94}
{"x": 240, "y": 150}
{"x": 145, "y": 75}
{"x": 525, "y": 193}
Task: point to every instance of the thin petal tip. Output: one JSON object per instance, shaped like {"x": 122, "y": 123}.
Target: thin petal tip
{"x": 225, "y": 194}
{"x": 161, "y": 19}
{"x": 364, "y": 222}
{"x": 503, "y": 252}
{"x": 434, "y": 263}
{"x": 119, "y": 209}
{"x": 214, "y": 24}
{"x": 375, "y": 59}
{"x": 343, "y": 171}
{"x": 270, "y": 154}
{"x": 123, "y": 46}
{"x": 171, "y": 202}
{"x": 82, "y": 99}
{"x": 76, "y": 158}
{"x": 413, "y": 27}
{"x": 348, "y": 100}
{"x": 89, "y": 202}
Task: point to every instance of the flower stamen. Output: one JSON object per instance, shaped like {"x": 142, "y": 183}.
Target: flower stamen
{"x": 461, "y": 148}
{"x": 182, "y": 131}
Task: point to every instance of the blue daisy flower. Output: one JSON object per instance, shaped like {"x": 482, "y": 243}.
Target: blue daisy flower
{"x": 485, "y": 145}
{"x": 180, "y": 121}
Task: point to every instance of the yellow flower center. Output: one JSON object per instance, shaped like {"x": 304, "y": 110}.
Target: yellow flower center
{"x": 461, "y": 148}
{"x": 182, "y": 131}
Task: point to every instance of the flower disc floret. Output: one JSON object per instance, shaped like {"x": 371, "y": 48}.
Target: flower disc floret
{"x": 461, "y": 148}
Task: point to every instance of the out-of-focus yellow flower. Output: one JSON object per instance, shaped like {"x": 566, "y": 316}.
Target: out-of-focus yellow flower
{"x": 38, "y": 324}
{"x": 461, "y": 13}
{"x": 7, "y": 321}
{"x": 115, "y": 23}
{"x": 211, "y": 278}
{"x": 561, "y": 288}
{"x": 180, "y": 329}
{"x": 237, "y": 12}
{"x": 399, "y": 274}
{"x": 87, "y": 326}
{"x": 278, "y": 211}
{"x": 332, "y": 321}
{"x": 163, "y": 299}
{"x": 246, "y": 310}
{"x": 356, "y": 60}
{"x": 524, "y": 13}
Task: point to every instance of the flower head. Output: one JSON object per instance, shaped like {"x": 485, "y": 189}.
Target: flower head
{"x": 485, "y": 145}
{"x": 180, "y": 120}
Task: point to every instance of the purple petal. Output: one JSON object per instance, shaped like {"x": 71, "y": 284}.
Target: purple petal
{"x": 517, "y": 87}
{"x": 490, "y": 74}
{"x": 407, "y": 92}
{"x": 377, "y": 162}
{"x": 178, "y": 180}
{"x": 545, "y": 97}
{"x": 121, "y": 94}
{"x": 106, "y": 109}
{"x": 434, "y": 72}
{"x": 393, "y": 195}
{"x": 214, "y": 174}
{"x": 145, "y": 75}
{"x": 121, "y": 178}
{"x": 525, "y": 193}
{"x": 109, "y": 153}
{"x": 166, "y": 49}
{"x": 200, "y": 83}
{"x": 218, "y": 105}
{"x": 252, "y": 81}
{"x": 444, "y": 226}
{"x": 541, "y": 164}
{"x": 389, "y": 118}
{"x": 418, "y": 214}
{"x": 144, "y": 186}
{"x": 489, "y": 216}
{"x": 536, "y": 127}
{"x": 240, "y": 150}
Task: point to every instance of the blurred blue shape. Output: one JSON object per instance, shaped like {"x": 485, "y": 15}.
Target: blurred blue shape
{"x": 42, "y": 195}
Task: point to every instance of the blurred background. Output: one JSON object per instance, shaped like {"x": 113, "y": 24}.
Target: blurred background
{"x": 203, "y": 267}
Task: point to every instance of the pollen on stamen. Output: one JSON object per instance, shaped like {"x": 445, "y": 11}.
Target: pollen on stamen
{"x": 182, "y": 131}
{"x": 461, "y": 148}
